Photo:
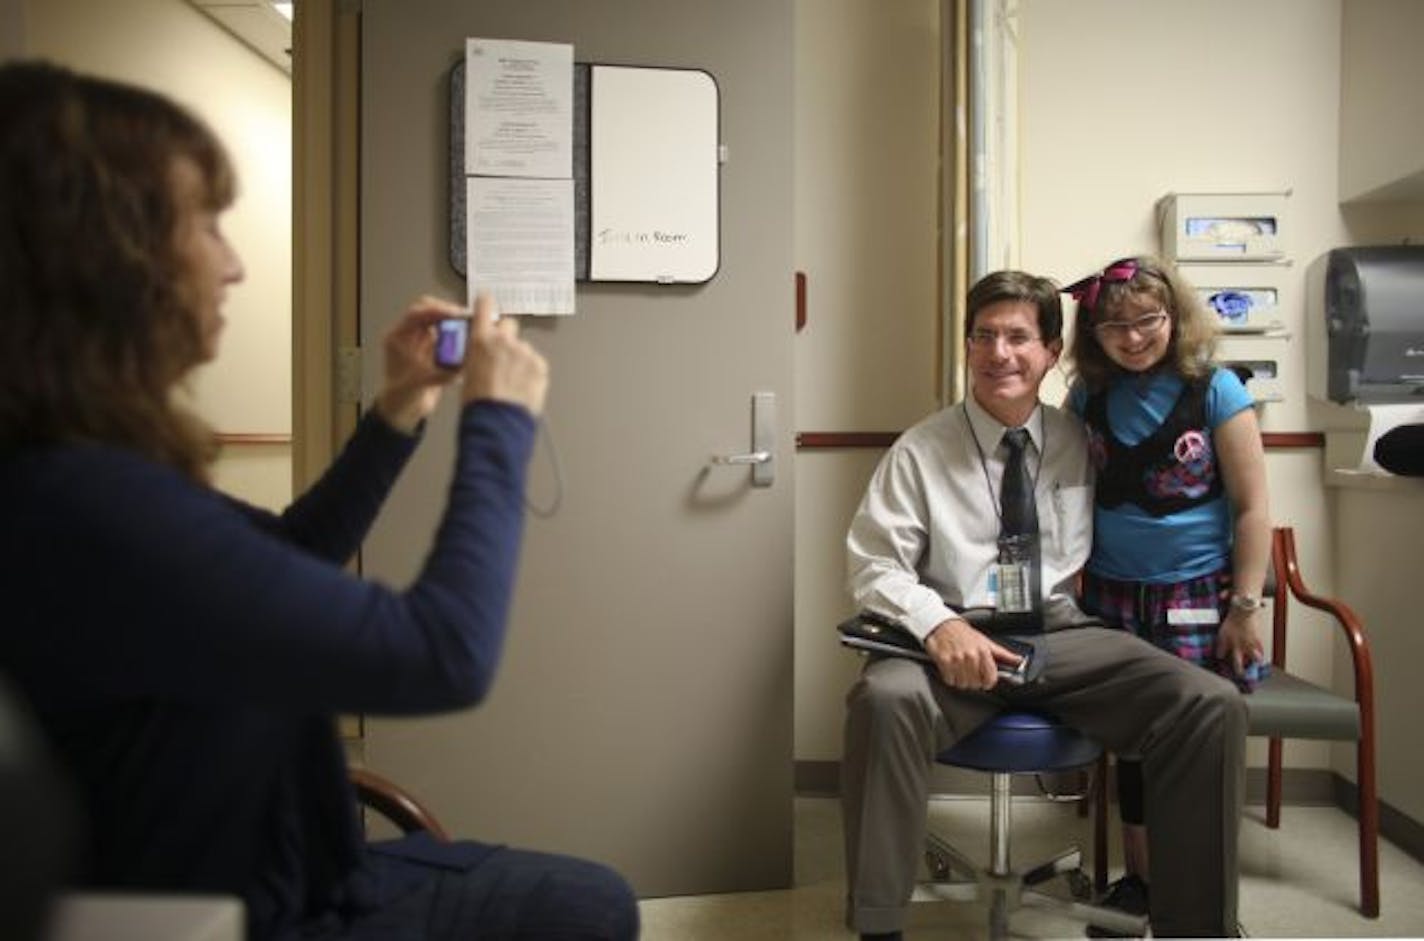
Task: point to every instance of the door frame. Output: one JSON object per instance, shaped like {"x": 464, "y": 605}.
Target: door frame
{"x": 326, "y": 102}
{"x": 326, "y": 99}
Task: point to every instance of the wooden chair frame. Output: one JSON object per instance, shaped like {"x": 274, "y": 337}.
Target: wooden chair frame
{"x": 1285, "y": 585}
{"x": 395, "y": 804}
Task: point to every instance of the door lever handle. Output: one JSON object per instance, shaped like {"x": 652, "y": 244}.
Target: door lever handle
{"x": 761, "y": 459}
{"x": 755, "y": 457}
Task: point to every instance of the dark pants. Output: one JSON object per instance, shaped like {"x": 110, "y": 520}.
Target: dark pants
{"x": 512, "y": 894}
{"x": 1188, "y": 725}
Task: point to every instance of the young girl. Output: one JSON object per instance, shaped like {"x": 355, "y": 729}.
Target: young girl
{"x": 1181, "y": 528}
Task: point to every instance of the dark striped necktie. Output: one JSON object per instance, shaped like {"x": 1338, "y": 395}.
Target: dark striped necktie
{"x": 1018, "y": 511}
{"x": 1019, "y": 543}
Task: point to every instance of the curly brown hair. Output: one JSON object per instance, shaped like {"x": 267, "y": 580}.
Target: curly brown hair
{"x": 95, "y": 333}
{"x": 1194, "y": 328}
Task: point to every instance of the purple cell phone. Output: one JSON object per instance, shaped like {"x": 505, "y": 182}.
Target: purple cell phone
{"x": 451, "y": 335}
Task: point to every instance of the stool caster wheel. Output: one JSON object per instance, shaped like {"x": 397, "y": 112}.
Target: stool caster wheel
{"x": 938, "y": 866}
{"x": 1079, "y": 885}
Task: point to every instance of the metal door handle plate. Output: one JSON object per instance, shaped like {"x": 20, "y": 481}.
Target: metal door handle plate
{"x": 756, "y": 457}
{"x": 761, "y": 458}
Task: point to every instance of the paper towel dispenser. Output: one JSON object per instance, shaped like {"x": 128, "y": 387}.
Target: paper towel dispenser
{"x": 1365, "y": 324}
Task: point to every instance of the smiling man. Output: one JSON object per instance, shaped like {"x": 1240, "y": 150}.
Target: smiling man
{"x": 987, "y": 505}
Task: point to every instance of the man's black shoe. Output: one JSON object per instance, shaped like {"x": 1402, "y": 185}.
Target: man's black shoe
{"x": 1128, "y": 894}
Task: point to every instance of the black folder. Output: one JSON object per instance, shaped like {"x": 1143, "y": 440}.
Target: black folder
{"x": 873, "y": 633}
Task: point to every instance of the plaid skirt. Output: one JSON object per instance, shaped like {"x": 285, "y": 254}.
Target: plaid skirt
{"x": 1143, "y": 609}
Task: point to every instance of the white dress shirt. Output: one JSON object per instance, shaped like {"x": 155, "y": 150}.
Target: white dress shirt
{"x": 925, "y": 537}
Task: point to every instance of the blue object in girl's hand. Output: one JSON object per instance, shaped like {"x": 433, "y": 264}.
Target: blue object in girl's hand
{"x": 1251, "y": 676}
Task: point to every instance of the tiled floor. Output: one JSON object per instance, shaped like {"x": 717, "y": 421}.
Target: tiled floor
{"x": 1299, "y": 881}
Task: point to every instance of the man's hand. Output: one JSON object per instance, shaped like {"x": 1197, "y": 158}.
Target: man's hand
{"x": 965, "y": 657}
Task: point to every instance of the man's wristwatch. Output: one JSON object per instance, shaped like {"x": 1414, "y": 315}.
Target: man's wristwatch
{"x": 1247, "y": 603}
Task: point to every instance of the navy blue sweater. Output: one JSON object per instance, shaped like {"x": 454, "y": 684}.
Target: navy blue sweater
{"x": 186, "y": 653}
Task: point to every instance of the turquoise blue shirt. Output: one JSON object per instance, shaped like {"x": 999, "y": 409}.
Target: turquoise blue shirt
{"x": 1131, "y": 545}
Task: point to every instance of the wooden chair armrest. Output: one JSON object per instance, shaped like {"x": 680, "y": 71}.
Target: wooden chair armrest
{"x": 1288, "y": 566}
{"x": 395, "y": 804}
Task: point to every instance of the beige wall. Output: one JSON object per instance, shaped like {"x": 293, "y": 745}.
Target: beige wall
{"x": 867, "y": 125}
{"x": 12, "y": 28}
{"x": 1377, "y": 527}
{"x": 1378, "y": 564}
{"x": 1112, "y": 119}
{"x": 1382, "y": 131}
{"x": 171, "y": 47}
{"x": 1121, "y": 105}
{"x": 1117, "y": 106}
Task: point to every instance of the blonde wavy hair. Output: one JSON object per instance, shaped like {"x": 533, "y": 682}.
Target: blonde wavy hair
{"x": 1103, "y": 295}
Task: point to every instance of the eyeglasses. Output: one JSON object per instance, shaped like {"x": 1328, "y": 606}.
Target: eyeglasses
{"x": 988, "y": 339}
{"x": 1147, "y": 325}
{"x": 1086, "y": 291}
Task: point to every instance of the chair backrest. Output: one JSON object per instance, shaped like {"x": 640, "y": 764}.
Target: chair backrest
{"x": 1278, "y": 591}
{"x": 1289, "y": 584}
{"x": 395, "y": 804}
{"x": 38, "y": 823}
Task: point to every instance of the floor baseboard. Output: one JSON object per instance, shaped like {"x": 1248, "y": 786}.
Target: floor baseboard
{"x": 1299, "y": 786}
{"x": 1396, "y": 826}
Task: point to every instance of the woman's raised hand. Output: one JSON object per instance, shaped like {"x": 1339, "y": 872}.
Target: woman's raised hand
{"x": 499, "y": 365}
{"x": 412, "y": 383}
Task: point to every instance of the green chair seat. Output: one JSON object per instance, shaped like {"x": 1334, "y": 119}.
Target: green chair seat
{"x": 1286, "y": 706}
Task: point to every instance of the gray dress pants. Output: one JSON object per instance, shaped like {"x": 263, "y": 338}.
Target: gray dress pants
{"x": 1188, "y": 726}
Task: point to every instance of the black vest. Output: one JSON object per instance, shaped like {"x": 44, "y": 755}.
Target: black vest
{"x": 1171, "y": 470}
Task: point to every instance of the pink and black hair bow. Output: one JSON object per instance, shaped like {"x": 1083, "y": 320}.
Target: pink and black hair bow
{"x": 1086, "y": 291}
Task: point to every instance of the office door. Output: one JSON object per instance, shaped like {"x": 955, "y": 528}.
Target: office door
{"x": 643, "y": 712}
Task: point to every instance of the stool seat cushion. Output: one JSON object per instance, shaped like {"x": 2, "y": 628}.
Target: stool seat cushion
{"x": 1019, "y": 742}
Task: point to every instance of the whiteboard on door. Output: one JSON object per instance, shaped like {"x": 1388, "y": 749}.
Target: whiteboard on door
{"x": 653, "y": 180}
{"x": 646, "y": 164}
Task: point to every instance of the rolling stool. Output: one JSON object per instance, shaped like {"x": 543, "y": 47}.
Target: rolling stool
{"x": 1017, "y": 742}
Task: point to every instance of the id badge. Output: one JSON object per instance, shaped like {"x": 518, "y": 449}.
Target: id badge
{"x": 1013, "y": 579}
{"x": 1013, "y": 575}
{"x": 1181, "y": 616}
